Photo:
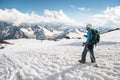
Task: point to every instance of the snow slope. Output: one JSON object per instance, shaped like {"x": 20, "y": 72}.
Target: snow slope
{"x": 30, "y": 59}
{"x": 75, "y": 34}
{"x": 113, "y": 36}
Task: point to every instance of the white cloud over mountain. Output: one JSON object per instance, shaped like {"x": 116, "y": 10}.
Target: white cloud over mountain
{"x": 111, "y": 16}
{"x": 16, "y": 17}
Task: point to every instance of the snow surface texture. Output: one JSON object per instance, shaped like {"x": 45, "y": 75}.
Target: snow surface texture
{"x": 30, "y": 59}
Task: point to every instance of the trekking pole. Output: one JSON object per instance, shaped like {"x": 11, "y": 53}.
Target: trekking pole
{"x": 95, "y": 61}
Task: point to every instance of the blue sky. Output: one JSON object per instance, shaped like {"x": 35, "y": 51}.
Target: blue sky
{"x": 96, "y": 6}
{"x": 75, "y": 9}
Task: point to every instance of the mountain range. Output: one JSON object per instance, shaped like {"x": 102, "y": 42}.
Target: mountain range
{"x": 42, "y": 32}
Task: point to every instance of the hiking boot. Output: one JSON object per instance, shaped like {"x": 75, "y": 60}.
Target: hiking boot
{"x": 93, "y": 61}
{"x": 81, "y": 61}
{"x": 2, "y": 47}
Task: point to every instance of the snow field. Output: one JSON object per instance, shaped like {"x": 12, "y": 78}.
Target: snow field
{"x": 30, "y": 59}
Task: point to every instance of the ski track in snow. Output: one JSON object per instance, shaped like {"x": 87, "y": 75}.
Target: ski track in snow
{"x": 49, "y": 60}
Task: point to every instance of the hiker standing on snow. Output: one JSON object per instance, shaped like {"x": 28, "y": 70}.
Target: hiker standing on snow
{"x": 89, "y": 46}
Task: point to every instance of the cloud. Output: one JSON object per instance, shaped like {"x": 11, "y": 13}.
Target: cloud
{"x": 111, "y": 16}
{"x": 81, "y": 9}
{"x": 16, "y": 17}
{"x": 72, "y": 6}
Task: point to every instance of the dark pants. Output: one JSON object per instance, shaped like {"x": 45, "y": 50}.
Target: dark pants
{"x": 90, "y": 49}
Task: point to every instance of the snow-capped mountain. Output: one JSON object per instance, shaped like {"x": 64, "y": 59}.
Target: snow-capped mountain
{"x": 103, "y": 30}
{"x": 9, "y": 31}
{"x": 42, "y": 32}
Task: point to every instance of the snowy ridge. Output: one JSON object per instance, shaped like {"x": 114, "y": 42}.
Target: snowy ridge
{"x": 30, "y": 59}
{"x": 75, "y": 34}
{"x": 113, "y": 36}
{"x": 41, "y": 32}
{"x": 29, "y": 32}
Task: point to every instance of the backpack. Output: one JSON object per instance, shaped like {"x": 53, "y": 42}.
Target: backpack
{"x": 95, "y": 36}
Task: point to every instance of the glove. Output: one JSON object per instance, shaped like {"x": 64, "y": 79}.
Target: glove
{"x": 85, "y": 35}
{"x": 83, "y": 44}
